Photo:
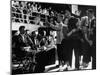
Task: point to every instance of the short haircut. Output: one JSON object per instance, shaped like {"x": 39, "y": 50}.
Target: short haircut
{"x": 90, "y": 11}
{"x": 67, "y": 11}
{"x": 21, "y": 27}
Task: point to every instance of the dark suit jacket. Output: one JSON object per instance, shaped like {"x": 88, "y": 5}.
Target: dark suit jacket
{"x": 19, "y": 44}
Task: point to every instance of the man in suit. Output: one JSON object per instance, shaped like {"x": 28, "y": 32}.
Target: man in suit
{"x": 24, "y": 44}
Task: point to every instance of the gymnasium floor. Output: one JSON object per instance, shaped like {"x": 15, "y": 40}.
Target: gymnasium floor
{"x": 55, "y": 68}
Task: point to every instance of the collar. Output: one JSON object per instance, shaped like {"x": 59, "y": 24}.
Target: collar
{"x": 92, "y": 18}
{"x": 22, "y": 34}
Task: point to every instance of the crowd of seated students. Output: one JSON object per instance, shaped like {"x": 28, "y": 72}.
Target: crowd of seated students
{"x": 28, "y": 7}
{"x": 26, "y": 11}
